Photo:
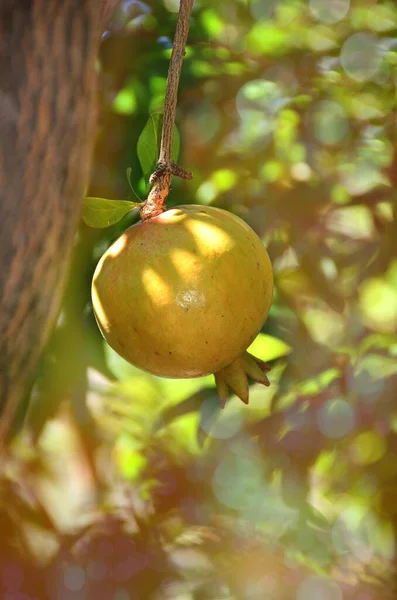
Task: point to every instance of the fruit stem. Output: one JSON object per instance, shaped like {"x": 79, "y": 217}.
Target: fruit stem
{"x": 166, "y": 168}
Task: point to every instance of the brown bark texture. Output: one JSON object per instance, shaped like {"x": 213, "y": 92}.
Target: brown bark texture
{"x": 47, "y": 121}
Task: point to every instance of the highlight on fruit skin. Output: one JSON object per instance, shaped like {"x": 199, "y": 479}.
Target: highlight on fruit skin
{"x": 184, "y": 294}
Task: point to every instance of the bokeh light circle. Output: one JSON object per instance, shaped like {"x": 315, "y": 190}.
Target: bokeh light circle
{"x": 260, "y": 95}
{"x": 262, "y": 9}
{"x": 378, "y": 304}
{"x": 316, "y": 588}
{"x": 336, "y": 419}
{"x": 237, "y": 481}
{"x": 258, "y": 104}
{"x": 330, "y": 122}
{"x": 220, "y": 425}
{"x": 196, "y": 123}
{"x": 329, "y": 11}
{"x": 172, "y": 5}
{"x": 360, "y": 56}
{"x": 74, "y": 578}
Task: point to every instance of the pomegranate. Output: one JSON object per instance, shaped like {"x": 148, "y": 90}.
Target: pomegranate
{"x": 184, "y": 294}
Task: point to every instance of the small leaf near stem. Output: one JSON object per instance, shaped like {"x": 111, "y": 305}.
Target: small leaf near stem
{"x": 166, "y": 168}
{"x": 149, "y": 144}
{"x": 99, "y": 212}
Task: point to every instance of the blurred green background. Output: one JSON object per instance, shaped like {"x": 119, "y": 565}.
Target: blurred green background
{"x": 126, "y": 486}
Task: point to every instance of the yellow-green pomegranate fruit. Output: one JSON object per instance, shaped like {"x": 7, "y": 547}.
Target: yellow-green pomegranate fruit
{"x": 184, "y": 294}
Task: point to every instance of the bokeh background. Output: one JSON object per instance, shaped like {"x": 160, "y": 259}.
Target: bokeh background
{"x": 124, "y": 486}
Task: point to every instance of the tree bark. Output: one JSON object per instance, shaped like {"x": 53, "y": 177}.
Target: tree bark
{"x": 47, "y": 121}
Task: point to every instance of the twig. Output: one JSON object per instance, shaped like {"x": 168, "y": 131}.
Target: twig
{"x": 166, "y": 168}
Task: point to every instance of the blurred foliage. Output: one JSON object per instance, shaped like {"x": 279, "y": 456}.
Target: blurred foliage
{"x": 127, "y": 486}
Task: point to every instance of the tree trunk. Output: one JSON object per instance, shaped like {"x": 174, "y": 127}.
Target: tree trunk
{"x": 47, "y": 121}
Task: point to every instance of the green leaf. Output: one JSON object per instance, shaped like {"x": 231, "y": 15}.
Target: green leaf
{"x": 148, "y": 147}
{"x": 267, "y": 347}
{"x": 99, "y": 212}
